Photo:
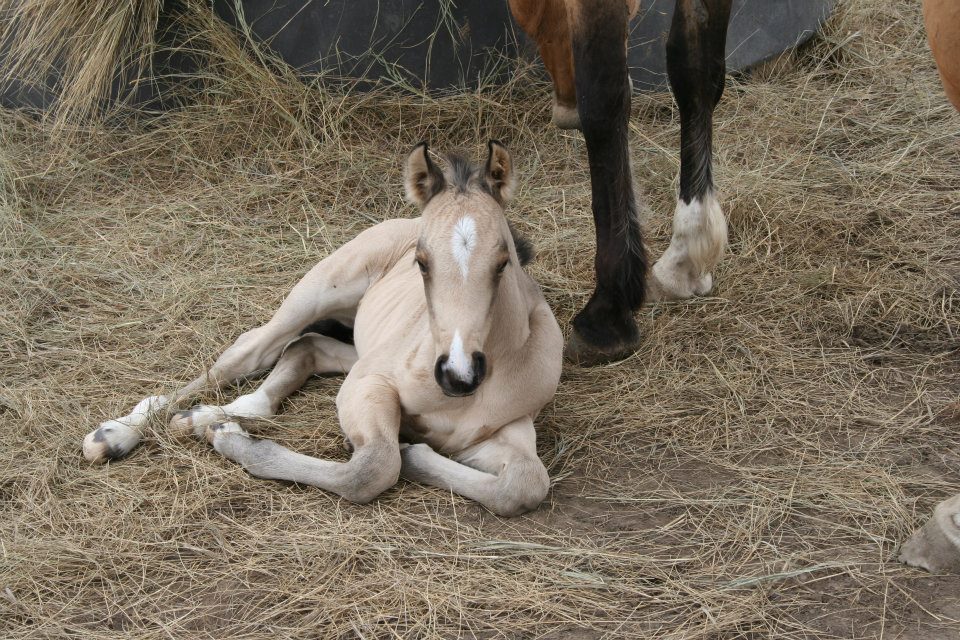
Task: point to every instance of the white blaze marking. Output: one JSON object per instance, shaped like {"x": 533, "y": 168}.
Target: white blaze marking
{"x": 463, "y": 242}
{"x": 458, "y": 362}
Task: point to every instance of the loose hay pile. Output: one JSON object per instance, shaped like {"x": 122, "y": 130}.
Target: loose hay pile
{"x": 748, "y": 473}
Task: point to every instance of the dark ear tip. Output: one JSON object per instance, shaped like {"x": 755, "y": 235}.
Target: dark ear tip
{"x": 495, "y": 143}
{"x": 422, "y": 143}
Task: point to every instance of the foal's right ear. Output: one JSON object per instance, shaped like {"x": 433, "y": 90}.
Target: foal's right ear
{"x": 421, "y": 178}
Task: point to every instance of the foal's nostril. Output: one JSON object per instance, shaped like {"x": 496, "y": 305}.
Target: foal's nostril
{"x": 439, "y": 370}
{"x": 479, "y": 367}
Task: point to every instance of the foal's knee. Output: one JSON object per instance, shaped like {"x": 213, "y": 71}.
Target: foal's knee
{"x": 521, "y": 487}
{"x": 372, "y": 470}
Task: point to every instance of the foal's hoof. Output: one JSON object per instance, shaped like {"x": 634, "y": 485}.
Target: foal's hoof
{"x": 936, "y": 546}
{"x": 196, "y": 420}
{"x": 214, "y": 431}
{"x": 585, "y": 354}
{"x": 111, "y": 440}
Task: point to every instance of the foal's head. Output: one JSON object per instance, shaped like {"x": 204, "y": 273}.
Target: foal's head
{"x": 466, "y": 254}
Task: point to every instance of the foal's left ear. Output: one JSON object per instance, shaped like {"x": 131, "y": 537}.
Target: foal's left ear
{"x": 498, "y": 173}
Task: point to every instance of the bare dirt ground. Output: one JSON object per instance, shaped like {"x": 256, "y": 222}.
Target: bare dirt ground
{"x": 749, "y": 473}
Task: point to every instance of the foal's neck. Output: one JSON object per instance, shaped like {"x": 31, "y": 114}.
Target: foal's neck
{"x": 510, "y": 322}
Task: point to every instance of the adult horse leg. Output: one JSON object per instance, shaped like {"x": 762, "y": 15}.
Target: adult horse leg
{"x": 547, "y": 22}
{"x": 605, "y": 329}
{"x": 370, "y": 417}
{"x": 696, "y": 67}
{"x": 502, "y": 473}
{"x": 312, "y": 354}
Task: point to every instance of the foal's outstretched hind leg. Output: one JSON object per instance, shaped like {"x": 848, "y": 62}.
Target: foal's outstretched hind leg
{"x": 312, "y": 354}
{"x": 695, "y": 63}
{"x": 332, "y": 289}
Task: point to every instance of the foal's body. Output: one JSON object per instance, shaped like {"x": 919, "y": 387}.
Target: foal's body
{"x": 407, "y": 376}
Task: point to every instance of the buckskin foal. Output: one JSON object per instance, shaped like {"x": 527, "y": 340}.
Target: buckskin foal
{"x": 454, "y": 350}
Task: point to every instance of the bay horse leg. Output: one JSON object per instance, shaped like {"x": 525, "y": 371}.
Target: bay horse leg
{"x": 605, "y": 329}
{"x": 547, "y": 24}
{"x": 696, "y": 67}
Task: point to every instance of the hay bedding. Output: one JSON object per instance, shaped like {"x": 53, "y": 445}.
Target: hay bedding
{"x": 748, "y": 473}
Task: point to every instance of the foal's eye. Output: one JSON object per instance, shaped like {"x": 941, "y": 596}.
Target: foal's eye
{"x": 502, "y": 266}
{"x": 422, "y": 265}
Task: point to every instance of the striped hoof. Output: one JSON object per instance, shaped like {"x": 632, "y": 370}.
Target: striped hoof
{"x": 115, "y": 438}
{"x": 197, "y": 419}
{"x": 111, "y": 440}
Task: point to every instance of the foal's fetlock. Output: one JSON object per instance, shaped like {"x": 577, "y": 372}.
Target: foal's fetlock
{"x": 197, "y": 419}
{"x": 936, "y": 546}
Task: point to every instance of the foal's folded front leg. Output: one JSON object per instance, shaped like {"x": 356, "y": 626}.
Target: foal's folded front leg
{"x": 503, "y": 473}
{"x": 370, "y": 417}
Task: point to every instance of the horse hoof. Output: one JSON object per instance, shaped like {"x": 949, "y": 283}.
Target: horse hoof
{"x": 215, "y": 432}
{"x": 936, "y": 546}
{"x": 582, "y": 353}
{"x": 665, "y": 284}
{"x": 565, "y": 117}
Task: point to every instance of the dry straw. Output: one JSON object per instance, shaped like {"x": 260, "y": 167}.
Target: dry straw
{"x": 748, "y": 473}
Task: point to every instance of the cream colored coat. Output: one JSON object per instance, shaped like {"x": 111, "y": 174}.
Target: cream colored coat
{"x": 420, "y": 295}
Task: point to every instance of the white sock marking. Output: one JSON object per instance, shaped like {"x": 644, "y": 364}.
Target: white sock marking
{"x": 458, "y": 362}
{"x": 142, "y": 412}
{"x": 252, "y": 405}
{"x": 463, "y": 242}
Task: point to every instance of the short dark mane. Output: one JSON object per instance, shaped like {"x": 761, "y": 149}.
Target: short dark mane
{"x": 462, "y": 173}
{"x": 525, "y": 250}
